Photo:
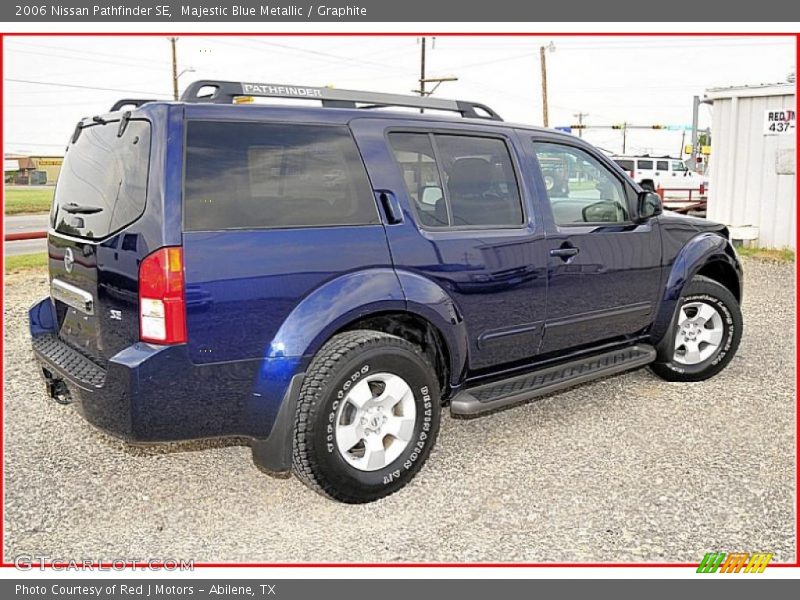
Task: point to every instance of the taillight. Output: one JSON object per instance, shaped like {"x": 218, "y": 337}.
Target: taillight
{"x": 702, "y": 188}
{"x": 162, "y": 307}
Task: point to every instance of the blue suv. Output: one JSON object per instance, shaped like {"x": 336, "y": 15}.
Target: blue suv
{"x": 324, "y": 279}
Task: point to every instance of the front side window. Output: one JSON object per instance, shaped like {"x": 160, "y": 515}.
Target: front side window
{"x": 581, "y": 190}
{"x": 264, "y": 175}
{"x": 677, "y": 165}
{"x": 459, "y": 181}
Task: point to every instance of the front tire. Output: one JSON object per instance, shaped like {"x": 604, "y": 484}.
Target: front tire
{"x": 704, "y": 334}
{"x": 367, "y": 417}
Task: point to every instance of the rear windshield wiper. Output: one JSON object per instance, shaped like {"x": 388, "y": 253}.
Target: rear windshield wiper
{"x": 81, "y": 209}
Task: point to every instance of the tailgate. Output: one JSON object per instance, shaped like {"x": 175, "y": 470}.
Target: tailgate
{"x": 94, "y": 248}
{"x": 96, "y": 302}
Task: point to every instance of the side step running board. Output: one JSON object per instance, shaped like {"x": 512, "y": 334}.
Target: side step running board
{"x": 500, "y": 394}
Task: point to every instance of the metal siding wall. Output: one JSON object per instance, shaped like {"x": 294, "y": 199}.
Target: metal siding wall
{"x": 745, "y": 187}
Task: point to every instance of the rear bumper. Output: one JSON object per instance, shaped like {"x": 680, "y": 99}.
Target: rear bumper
{"x": 152, "y": 393}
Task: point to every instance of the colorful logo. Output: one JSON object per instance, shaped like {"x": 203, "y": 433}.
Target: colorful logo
{"x": 733, "y": 563}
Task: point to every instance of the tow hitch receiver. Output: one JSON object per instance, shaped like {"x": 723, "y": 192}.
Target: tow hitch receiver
{"x": 56, "y": 388}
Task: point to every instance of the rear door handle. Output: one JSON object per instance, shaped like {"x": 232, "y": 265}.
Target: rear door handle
{"x": 390, "y": 206}
{"x": 565, "y": 252}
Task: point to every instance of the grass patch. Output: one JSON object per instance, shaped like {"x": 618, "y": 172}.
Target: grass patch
{"x": 21, "y": 201}
{"x": 26, "y": 262}
{"x": 771, "y": 254}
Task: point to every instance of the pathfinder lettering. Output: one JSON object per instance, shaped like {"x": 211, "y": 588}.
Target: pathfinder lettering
{"x": 281, "y": 90}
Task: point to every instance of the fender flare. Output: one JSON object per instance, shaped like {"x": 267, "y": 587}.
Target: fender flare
{"x": 331, "y": 306}
{"x": 359, "y": 294}
{"x": 698, "y": 252}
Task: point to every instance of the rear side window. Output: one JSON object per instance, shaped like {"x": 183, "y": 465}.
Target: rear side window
{"x": 459, "y": 181}
{"x": 626, "y": 165}
{"x": 662, "y": 165}
{"x": 102, "y": 186}
{"x": 263, "y": 175}
{"x": 646, "y": 165}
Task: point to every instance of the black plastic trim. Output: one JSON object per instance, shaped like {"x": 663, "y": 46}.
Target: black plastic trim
{"x": 274, "y": 454}
{"x": 514, "y": 390}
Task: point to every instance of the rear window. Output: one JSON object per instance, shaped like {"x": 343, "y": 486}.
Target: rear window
{"x": 626, "y": 165}
{"x": 103, "y": 182}
{"x": 261, "y": 175}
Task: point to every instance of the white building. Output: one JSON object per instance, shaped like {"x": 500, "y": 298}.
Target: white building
{"x": 752, "y": 167}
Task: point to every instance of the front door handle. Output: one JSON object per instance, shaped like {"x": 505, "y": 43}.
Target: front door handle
{"x": 565, "y": 252}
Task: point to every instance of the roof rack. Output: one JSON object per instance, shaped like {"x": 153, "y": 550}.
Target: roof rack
{"x": 225, "y": 92}
{"x": 134, "y": 102}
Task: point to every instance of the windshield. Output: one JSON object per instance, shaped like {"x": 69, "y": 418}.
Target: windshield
{"x": 103, "y": 182}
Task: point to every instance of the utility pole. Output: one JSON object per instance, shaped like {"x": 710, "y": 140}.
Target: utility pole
{"x": 624, "y": 137}
{"x": 173, "y": 41}
{"x": 422, "y": 69}
{"x": 544, "y": 86}
{"x": 423, "y": 80}
{"x": 551, "y": 47}
{"x": 695, "y": 136}
{"x": 580, "y": 116}
{"x": 422, "y": 73}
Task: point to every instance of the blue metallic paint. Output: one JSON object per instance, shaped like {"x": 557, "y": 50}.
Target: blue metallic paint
{"x": 260, "y": 303}
{"x": 251, "y": 281}
{"x": 496, "y": 278}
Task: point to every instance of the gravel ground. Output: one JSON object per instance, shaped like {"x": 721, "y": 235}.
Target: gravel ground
{"x": 625, "y": 469}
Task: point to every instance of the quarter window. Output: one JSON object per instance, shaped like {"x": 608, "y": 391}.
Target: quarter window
{"x": 625, "y": 165}
{"x": 459, "y": 181}
{"x": 260, "y": 175}
{"x": 581, "y": 190}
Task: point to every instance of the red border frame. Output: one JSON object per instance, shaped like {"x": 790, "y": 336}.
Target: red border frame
{"x": 107, "y": 566}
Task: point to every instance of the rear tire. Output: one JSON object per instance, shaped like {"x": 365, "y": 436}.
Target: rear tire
{"x": 367, "y": 417}
{"x": 704, "y": 335}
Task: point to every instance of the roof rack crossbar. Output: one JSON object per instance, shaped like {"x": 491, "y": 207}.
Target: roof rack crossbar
{"x": 225, "y": 92}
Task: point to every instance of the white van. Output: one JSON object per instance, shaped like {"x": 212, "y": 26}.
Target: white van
{"x": 666, "y": 172}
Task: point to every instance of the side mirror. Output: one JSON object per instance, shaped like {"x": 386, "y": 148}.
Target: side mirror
{"x": 649, "y": 205}
{"x": 431, "y": 195}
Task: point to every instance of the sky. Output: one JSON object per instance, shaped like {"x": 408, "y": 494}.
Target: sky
{"x": 52, "y": 82}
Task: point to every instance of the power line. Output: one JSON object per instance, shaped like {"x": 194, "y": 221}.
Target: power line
{"x": 92, "y": 54}
{"x": 579, "y": 115}
{"x": 63, "y": 145}
{"x": 84, "y": 87}
{"x": 91, "y": 60}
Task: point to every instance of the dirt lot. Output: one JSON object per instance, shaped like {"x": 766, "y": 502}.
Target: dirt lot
{"x": 625, "y": 469}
